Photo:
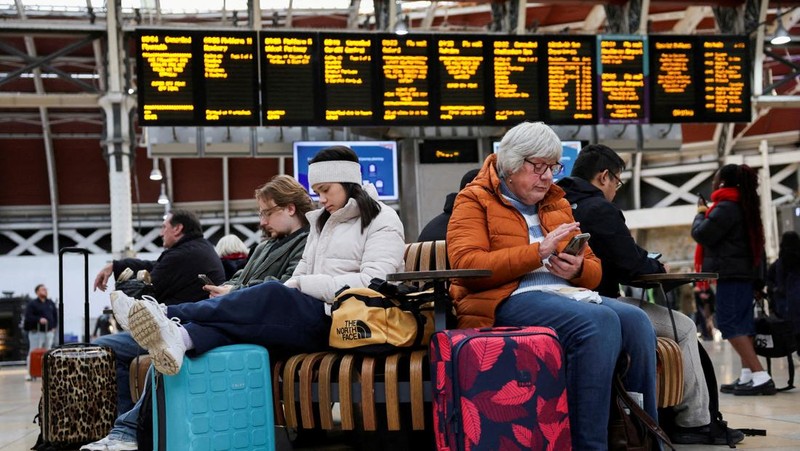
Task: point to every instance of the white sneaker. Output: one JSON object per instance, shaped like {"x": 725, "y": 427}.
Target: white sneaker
{"x": 121, "y": 304}
{"x": 110, "y": 444}
{"x": 161, "y": 336}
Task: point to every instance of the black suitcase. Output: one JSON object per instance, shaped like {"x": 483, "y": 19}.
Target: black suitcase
{"x": 79, "y": 386}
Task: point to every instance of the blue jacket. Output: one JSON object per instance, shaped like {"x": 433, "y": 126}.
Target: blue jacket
{"x": 36, "y": 310}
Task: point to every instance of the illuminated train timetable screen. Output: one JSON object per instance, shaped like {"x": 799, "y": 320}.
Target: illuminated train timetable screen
{"x": 404, "y": 71}
{"x": 288, "y": 69}
{"x": 726, "y": 80}
{"x": 165, "y": 70}
{"x": 672, "y": 78}
{"x": 570, "y": 80}
{"x": 517, "y": 92}
{"x": 230, "y": 73}
{"x": 461, "y": 65}
{"x": 623, "y": 80}
{"x": 347, "y": 82}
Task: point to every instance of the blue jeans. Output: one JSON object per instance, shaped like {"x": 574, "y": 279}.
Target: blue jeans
{"x": 592, "y": 336}
{"x": 126, "y": 349}
{"x": 268, "y": 314}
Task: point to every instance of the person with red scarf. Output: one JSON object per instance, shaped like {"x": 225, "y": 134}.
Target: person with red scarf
{"x": 730, "y": 242}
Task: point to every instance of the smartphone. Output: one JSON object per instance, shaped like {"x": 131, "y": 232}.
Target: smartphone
{"x": 205, "y": 279}
{"x": 702, "y": 198}
{"x": 576, "y": 243}
{"x": 654, "y": 255}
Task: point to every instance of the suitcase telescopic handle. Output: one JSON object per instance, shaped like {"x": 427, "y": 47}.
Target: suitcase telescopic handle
{"x": 61, "y": 252}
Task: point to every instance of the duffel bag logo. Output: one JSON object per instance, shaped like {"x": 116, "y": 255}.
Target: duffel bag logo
{"x": 354, "y": 330}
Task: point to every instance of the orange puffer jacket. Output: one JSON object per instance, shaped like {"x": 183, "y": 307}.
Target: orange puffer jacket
{"x": 487, "y": 232}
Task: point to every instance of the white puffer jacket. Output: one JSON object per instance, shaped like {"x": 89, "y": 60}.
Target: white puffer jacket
{"x": 342, "y": 255}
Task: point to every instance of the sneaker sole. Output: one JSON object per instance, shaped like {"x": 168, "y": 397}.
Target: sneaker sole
{"x": 146, "y": 332}
{"x": 121, "y": 320}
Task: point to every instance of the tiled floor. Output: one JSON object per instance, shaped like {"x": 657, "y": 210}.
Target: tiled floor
{"x": 779, "y": 415}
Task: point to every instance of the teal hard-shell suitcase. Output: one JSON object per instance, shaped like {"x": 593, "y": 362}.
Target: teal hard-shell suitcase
{"x": 221, "y": 400}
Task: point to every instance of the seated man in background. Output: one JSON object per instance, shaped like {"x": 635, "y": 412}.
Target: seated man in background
{"x": 590, "y": 190}
{"x": 282, "y": 207}
{"x": 174, "y": 278}
{"x": 436, "y": 228}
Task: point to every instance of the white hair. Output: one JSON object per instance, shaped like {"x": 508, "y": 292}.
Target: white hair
{"x": 527, "y": 140}
{"x": 230, "y": 244}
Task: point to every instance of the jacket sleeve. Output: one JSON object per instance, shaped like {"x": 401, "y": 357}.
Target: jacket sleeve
{"x": 469, "y": 246}
{"x": 612, "y": 239}
{"x": 54, "y": 323}
{"x": 287, "y": 265}
{"x": 30, "y": 316}
{"x": 710, "y": 230}
{"x": 134, "y": 264}
{"x": 383, "y": 254}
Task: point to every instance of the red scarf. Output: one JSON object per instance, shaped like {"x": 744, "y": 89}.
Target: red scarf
{"x": 730, "y": 194}
{"x": 236, "y": 256}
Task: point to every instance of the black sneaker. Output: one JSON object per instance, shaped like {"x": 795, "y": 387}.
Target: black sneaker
{"x": 706, "y": 435}
{"x": 767, "y": 388}
{"x": 730, "y": 388}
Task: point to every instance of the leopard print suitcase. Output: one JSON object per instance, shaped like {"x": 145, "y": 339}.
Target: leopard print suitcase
{"x": 79, "y": 394}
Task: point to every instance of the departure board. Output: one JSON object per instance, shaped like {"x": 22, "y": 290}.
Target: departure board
{"x": 288, "y": 68}
{"x": 672, "y": 77}
{"x": 347, "y": 82}
{"x": 461, "y": 69}
{"x": 230, "y": 74}
{"x": 726, "y": 80}
{"x": 165, "y": 71}
{"x": 404, "y": 71}
{"x": 622, "y": 73}
{"x": 517, "y": 92}
{"x": 570, "y": 80}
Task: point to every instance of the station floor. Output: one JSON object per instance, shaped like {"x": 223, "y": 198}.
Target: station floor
{"x": 779, "y": 414}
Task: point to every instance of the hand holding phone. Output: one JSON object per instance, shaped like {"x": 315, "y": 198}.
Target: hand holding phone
{"x": 577, "y": 243}
{"x": 701, "y": 201}
{"x": 205, "y": 279}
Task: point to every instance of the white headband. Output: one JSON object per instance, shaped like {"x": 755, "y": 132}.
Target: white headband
{"x": 338, "y": 171}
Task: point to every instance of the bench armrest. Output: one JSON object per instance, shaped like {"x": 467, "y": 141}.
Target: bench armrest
{"x": 440, "y": 296}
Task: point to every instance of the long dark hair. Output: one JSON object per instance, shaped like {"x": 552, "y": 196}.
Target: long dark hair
{"x": 745, "y": 178}
{"x": 789, "y": 251}
{"x": 367, "y": 206}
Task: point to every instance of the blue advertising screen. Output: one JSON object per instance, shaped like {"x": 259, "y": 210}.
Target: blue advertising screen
{"x": 569, "y": 153}
{"x": 378, "y": 163}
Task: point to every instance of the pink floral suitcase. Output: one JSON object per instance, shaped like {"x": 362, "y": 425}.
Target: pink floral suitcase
{"x": 500, "y": 388}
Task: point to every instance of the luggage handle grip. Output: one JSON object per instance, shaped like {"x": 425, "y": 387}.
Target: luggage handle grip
{"x": 499, "y": 329}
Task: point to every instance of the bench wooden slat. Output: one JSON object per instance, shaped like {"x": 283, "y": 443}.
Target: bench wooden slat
{"x": 289, "y": 407}
{"x": 346, "y": 369}
{"x": 368, "y": 393}
{"x": 325, "y": 403}
{"x": 307, "y": 371}
{"x": 441, "y": 256}
{"x": 417, "y": 392}
{"x": 277, "y": 371}
{"x": 392, "y": 392}
{"x": 425, "y": 257}
{"x": 412, "y": 257}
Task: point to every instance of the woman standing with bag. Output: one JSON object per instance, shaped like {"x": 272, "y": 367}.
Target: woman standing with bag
{"x": 730, "y": 242}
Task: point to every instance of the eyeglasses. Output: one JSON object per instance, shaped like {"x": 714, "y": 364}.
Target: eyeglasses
{"x": 267, "y": 212}
{"x": 619, "y": 181}
{"x": 540, "y": 168}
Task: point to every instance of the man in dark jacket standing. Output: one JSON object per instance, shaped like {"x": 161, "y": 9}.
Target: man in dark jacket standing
{"x": 41, "y": 319}
{"x": 174, "y": 278}
{"x": 590, "y": 189}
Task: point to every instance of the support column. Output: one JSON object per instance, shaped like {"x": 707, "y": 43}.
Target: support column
{"x": 117, "y": 106}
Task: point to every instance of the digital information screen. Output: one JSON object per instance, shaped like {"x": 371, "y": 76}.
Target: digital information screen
{"x": 208, "y": 78}
{"x": 570, "y": 80}
{"x": 461, "y": 68}
{"x": 404, "y": 70}
{"x": 726, "y": 80}
{"x": 672, "y": 76}
{"x": 622, "y": 73}
{"x": 230, "y": 74}
{"x": 517, "y": 92}
{"x": 288, "y": 69}
{"x": 347, "y": 82}
{"x": 165, "y": 70}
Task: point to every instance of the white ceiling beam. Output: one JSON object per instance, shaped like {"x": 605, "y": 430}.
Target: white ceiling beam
{"x": 595, "y": 19}
{"x": 31, "y": 100}
{"x": 692, "y": 18}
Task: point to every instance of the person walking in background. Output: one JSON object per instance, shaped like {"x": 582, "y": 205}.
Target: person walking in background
{"x": 704, "y": 300}
{"x": 105, "y": 324}
{"x": 436, "y": 228}
{"x": 233, "y": 253}
{"x": 41, "y": 319}
{"x": 730, "y": 242}
{"x": 783, "y": 280}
